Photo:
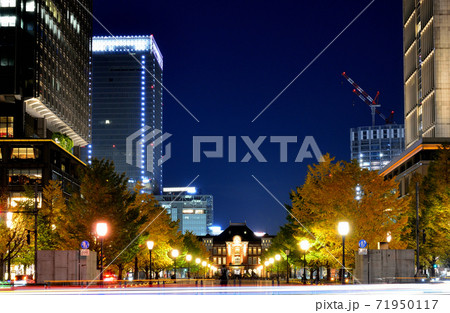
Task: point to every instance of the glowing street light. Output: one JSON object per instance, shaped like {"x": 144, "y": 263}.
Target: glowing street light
{"x": 266, "y": 264}
{"x": 204, "y": 267}
{"x": 304, "y": 245}
{"x": 150, "y": 245}
{"x": 388, "y": 236}
{"x": 175, "y": 254}
{"x": 343, "y": 229}
{"x": 198, "y": 261}
{"x": 101, "y": 229}
{"x": 188, "y": 260}
{"x": 278, "y": 258}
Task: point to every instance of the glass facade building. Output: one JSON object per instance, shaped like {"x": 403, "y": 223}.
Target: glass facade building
{"x": 44, "y": 68}
{"x": 127, "y": 116}
{"x": 193, "y": 211}
{"x": 45, "y": 49}
{"x": 375, "y": 146}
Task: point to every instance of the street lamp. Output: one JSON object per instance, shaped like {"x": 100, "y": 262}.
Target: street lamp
{"x": 388, "y": 236}
{"x": 150, "y": 245}
{"x": 304, "y": 245}
{"x": 271, "y": 261}
{"x": 198, "y": 261}
{"x": 9, "y": 225}
{"x": 188, "y": 260}
{"x": 287, "y": 251}
{"x": 204, "y": 267}
{"x": 266, "y": 264}
{"x": 102, "y": 229}
{"x": 175, "y": 254}
{"x": 278, "y": 258}
{"x": 343, "y": 229}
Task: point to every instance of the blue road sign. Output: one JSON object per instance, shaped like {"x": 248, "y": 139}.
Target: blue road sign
{"x": 362, "y": 243}
{"x": 84, "y": 244}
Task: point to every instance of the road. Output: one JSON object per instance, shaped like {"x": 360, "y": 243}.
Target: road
{"x": 441, "y": 288}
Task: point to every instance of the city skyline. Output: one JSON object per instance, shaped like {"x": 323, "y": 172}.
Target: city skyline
{"x": 226, "y": 62}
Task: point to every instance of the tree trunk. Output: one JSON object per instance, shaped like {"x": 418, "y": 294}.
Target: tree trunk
{"x": 2, "y": 275}
{"x": 136, "y": 269}
{"x": 120, "y": 276}
{"x": 328, "y": 272}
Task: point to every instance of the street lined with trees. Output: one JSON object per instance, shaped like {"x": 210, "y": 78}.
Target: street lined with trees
{"x": 132, "y": 219}
{"x": 336, "y": 191}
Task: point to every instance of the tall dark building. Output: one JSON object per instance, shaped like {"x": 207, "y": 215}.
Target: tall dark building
{"x": 127, "y": 107}
{"x": 44, "y": 92}
{"x": 44, "y": 61}
{"x": 426, "y": 67}
{"x": 44, "y": 97}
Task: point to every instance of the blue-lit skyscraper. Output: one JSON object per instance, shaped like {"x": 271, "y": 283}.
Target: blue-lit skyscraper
{"x": 127, "y": 107}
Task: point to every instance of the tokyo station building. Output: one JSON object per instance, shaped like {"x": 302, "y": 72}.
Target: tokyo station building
{"x": 238, "y": 248}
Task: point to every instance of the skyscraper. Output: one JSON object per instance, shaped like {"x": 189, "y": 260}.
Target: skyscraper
{"x": 44, "y": 61}
{"x": 127, "y": 107}
{"x": 194, "y": 211}
{"x": 45, "y": 51}
{"x": 426, "y": 48}
{"x": 426, "y": 60}
{"x": 375, "y": 146}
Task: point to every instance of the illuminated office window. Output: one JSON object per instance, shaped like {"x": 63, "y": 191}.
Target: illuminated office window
{"x": 6, "y": 127}
{"x": 24, "y": 153}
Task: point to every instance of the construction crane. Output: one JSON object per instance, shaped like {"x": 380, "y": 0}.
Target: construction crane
{"x": 371, "y": 102}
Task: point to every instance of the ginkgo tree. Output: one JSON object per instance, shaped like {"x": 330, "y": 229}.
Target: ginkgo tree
{"x": 337, "y": 191}
{"x": 434, "y": 212}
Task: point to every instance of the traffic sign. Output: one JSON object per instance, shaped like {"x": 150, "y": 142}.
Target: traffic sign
{"x": 85, "y": 244}
{"x": 362, "y": 251}
{"x": 362, "y": 243}
{"x": 84, "y": 252}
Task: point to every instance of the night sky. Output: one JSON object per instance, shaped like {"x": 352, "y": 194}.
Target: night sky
{"x": 226, "y": 60}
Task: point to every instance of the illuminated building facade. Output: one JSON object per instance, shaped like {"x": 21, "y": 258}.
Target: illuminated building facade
{"x": 375, "y": 146}
{"x": 45, "y": 51}
{"x": 44, "y": 69}
{"x": 127, "y": 119}
{"x": 193, "y": 211}
{"x": 426, "y": 63}
{"x": 426, "y": 49}
{"x": 238, "y": 248}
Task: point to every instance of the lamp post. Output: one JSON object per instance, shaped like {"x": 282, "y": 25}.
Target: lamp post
{"x": 150, "y": 245}
{"x": 266, "y": 264}
{"x": 188, "y": 260}
{"x": 343, "y": 229}
{"x": 198, "y": 261}
{"x": 271, "y": 261}
{"x": 278, "y": 258}
{"x": 287, "y": 251}
{"x": 304, "y": 245}
{"x": 9, "y": 225}
{"x": 102, "y": 229}
{"x": 175, "y": 254}
{"x": 204, "y": 267}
